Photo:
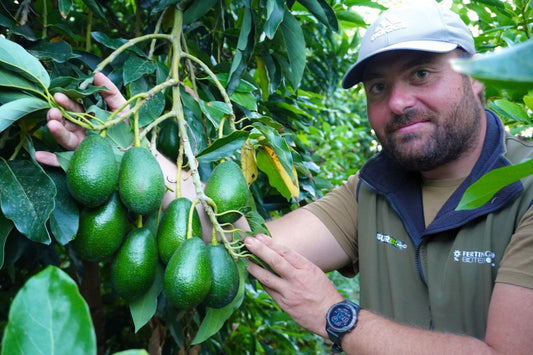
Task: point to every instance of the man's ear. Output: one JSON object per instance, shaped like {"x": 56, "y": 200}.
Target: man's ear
{"x": 477, "y": 86}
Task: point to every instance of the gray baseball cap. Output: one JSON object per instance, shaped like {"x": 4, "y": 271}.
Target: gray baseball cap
{"x": 422, "y": 27}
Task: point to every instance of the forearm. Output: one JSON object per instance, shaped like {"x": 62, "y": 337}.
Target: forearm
{"x": 377, "y": 335}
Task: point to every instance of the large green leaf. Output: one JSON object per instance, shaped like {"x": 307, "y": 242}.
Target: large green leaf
{"x": 223, "y": 147}
{"x": 143, "y": 309}
{"x": 5, "y": 227}
{"x": 59, "y": 51}
{"x": 12, "y": 80}
{"x": 485, "y": 188}
{"x": 27, "y": 197}
{"x": 243, "y": 51}
{"x": 64, "y": 220}
{"x": 14, "y": 57}
{"x": 216, "y": 317}
{"x": 295, "y": 46}
{"x": 15, "y": 110}
{"x": 510, "y": 68}
{"x": 323, "y": 12}
{"x": 49, "y": 316}
{"x": 275, "y": 13}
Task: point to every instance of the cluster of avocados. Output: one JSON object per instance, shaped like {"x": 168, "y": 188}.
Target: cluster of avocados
{"x": 110, "y": 193}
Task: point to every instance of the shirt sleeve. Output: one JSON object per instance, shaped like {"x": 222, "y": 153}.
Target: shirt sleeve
{"x": 338, "y": 211}
{"x": 516, "y": 266}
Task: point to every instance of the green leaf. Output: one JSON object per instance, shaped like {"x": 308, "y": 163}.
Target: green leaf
{"x": 489, "y": 184}
{"x": 223, "y": 147}
{"x": 136, "y": 67}
{"x": 216, "y": 317}
{"x": 93, "y": 5}
{"x": 15, "y": 58}
{"x": 196, "y": 10}
{"x": 509, "y": 109}
{"x": 215, "y": 111}
{"x": 351, "y": 17}
{"x": 509, "y": 68}
{"x": 243, "y": 51}
{"x": 58, "y": 51}
{"x": 275, "y": 141}
{"x": 295, "y": 46}
{"x": 13, "y": 80}
{"x": 15, "y": 110}
{"x": 246, "y": 100}
{"x": 27, "y": 197}
{"x": 49, "y": 316}
{"x": 143, "y": 309}
{"x": 64, "y": 7}
{"x": 5, "y": 228}
{"x": 64, "y": 220}
{"x": 275, "y": 12}
{"x": 266, "y": 165}
{"x": 323, "y": 12}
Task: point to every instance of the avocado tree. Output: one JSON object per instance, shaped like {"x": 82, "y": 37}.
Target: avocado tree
{"x": 253, "y": 83}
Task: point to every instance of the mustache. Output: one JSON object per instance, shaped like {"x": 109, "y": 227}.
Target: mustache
{"x": 409, "y": 116}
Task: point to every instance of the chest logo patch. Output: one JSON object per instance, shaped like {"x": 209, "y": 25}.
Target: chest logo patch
{"x": 474, "y": 257}
{"x": 388, "y": 239}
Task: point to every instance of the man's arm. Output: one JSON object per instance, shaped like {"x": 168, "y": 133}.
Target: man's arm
{"x": 305, "y": 293}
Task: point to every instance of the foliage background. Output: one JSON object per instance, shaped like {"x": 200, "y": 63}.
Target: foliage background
{"x": 325, "y": 126}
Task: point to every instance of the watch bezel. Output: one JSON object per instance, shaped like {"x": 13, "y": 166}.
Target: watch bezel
{"x": 335, "y": 333}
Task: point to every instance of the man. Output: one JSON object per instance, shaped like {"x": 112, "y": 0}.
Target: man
{"x": 433, "y": 280}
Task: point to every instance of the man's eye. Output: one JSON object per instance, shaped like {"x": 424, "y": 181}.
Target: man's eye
{"x": 421, "y": 74}
{"x": 377, "y": 88}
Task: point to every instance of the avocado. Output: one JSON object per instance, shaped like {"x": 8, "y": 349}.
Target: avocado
{"x": 134, "y": 267}
{"x": 227, "y": 187}
{"x": 141, "y": 183}
{"x": 101, "y": 230}
{"x": 92, "y": 174}
{"x": 187, "y": 278}
{"x": 224, "y": 277}
{"x": 172, "y": 229}
{"x": 168, "y": 139}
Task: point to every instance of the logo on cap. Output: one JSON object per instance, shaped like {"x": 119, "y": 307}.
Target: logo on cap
{"x": 388, "y": 24}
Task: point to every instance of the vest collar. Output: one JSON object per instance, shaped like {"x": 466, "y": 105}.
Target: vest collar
{"x": 402, "y": 188}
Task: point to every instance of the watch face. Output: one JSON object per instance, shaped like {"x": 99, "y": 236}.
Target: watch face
{"x": 342, "y": 316}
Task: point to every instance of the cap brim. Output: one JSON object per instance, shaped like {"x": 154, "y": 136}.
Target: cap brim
{"x": 354, "y": 75}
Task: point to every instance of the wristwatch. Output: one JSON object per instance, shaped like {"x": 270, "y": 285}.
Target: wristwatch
{"x": 341, "y": 319}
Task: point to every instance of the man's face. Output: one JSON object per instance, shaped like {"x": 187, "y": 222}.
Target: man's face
{"x": 424, "y": 113}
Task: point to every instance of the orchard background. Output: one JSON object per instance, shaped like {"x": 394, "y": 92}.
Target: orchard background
{"x": 244, "y": 75}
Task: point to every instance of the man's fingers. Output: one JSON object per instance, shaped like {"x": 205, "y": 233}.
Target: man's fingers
{"x": 46, "y": 158}
{"x": 112, "y": 96}
{"x": 68, "y": 104}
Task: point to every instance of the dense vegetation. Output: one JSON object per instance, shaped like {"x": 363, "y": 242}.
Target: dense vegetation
{"x": 236, "y": 76}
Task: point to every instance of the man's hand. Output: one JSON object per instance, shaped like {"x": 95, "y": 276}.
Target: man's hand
{"x": 301, "y": 289}
{"x": 68, "y": 134}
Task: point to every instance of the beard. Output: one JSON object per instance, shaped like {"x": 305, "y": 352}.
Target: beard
{"x": 455, "y": 133}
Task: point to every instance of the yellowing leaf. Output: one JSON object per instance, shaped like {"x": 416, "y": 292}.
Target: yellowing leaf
{"x": 290, "y": 179}
{"x": 248, "y": 163}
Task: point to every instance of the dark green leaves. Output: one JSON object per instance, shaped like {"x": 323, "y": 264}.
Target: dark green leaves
{"x": 49, "y": 316}
{"x": 27, "y": 198}
{"x": 295, "y": 45}
{"x": 14, "y": 110}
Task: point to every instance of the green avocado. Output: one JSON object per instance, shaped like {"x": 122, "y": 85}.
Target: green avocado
{"x": 141, "y": 183}
{"x": 168, "y": 139}
{"x": 101, "y": 230}
{"x": 224, "y": 277}
{"x": 187, "y": 278}
{"x": 92, "y": 174}
{"x": 228, "y": 189}
{"x": 134, "y": 267}
{"x": 172, "y": 229}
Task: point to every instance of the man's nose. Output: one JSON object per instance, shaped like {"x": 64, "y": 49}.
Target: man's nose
{"x": 401, "y": 98}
